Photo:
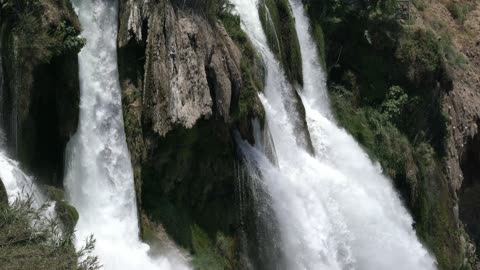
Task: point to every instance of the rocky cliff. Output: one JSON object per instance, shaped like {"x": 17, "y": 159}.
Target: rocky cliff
{"x": 39, "y": 87}
{"x": 186, "y": 84}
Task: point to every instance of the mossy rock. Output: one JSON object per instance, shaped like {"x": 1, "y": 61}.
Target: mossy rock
{"x": 248, "y": 104}
{"x": 3, "y": 194}
{"x": 212, "y": 255}
{"x": 190, "y": 178}
{"x": 278, "y": 23}
{"x": 66, "y": 213}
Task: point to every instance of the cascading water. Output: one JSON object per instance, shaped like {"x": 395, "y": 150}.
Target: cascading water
{"x": 99, "y": 178}
{"x": 17, "y": 183}
{"x": 335, "y": 210}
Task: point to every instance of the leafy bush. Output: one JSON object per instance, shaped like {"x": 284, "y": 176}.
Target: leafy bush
{"x": 39, "y": 42}
{"x": 72, "y": 42}
{"x": 419, "y": 52}
{"x": 30, "y": 239}
{"x": 395, "y": 103}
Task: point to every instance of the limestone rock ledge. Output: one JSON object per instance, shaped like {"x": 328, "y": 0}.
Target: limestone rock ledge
{"x": 182, "y": 77}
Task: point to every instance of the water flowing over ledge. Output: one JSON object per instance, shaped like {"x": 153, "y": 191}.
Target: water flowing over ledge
{"x": 99, "y": 179}
{"x": 335, "y": 209}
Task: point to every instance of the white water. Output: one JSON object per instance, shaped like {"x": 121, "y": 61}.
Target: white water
{"x": 99, "y": 178}
{"x": 335, "y": 210}
{"x": 18, "y": 184}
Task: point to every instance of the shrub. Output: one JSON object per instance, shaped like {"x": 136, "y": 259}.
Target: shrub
{"x": 395, "y": 104}
{"x": 459, "y": 10}
{"x": 419, "y": 52}
{"x": 72, "y": 42}
{"x": 30, "y": 239}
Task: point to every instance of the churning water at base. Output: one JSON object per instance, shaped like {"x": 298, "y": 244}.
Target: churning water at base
{"x": 335, "y": 210}
{"x": 99, "y": 178}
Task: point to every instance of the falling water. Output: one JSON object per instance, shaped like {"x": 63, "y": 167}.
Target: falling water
{"x": 18, "y": 184}
{"x": 335, "y": 210}
{"x": 99, "y": 178}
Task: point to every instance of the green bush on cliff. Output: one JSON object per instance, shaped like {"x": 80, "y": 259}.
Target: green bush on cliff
{"x": 420, "y": 53}
{"x": 40, "y": 41}
{"x": 31, "y": 240}
{"x": 72, "y": 42}
{"x": 395, "y": 103}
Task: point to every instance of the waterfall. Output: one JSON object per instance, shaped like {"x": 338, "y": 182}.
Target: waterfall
{"x": 335, "y": 210}
{"x": 18, "y": 184}
{"x": 99, "y": 178}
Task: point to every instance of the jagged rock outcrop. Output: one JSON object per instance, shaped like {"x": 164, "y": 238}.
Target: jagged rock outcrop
{"x": 39, "y": 83}
{"x": 184, "y": 54}
{"x": 182, "y": 80}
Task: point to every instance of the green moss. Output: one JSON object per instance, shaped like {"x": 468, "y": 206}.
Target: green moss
{"x": 320, "y": 41}
{"x": 208, "y": 255}
{"x": 191, "y": 180}
{"x": 66, "y": 213}
{"x": 435, "y": 219}
{"x": 3, "y": 194}
{"x": 279, "y": 25}
{"x": 251, "y": 67}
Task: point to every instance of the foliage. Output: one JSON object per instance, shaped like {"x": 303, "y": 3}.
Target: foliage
{"x": 413, "y": 165}
{"x": 394, "y": 105}
{"x": 419, "y": 52}
{"x": 30, "y": 239}
{"x": 70, "y": 36}
{"x": 460, "y": 9}
{"x": 40, "y": 41}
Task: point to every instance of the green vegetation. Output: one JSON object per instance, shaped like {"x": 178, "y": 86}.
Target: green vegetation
{"x": 39, "y": 43}
{"x": 209, "y": 255}
{"x": 251, "y": 67}
{"x": 419, "y": 52}
{"x": 67, "y": 214}
{"x": 460, "y": 9}
{"x": 31, "y": 240}
{"x": 279, "y": 25}
{"x": 386, "y": 81}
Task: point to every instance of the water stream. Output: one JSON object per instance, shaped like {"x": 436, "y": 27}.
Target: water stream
{"x": 99, "y": 179}
{"x": 335, "y": 209}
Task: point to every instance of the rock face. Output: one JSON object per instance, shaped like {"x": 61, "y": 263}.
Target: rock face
{"x": 181, "y": 79}
{"x": 39, "y": 85}
{"x": 192, "y": 69}
{"x": 3, "y": 194}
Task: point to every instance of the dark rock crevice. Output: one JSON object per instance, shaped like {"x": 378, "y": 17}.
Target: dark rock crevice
{"x": 469, "y": 194}
{"x": 40, "y": 89}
